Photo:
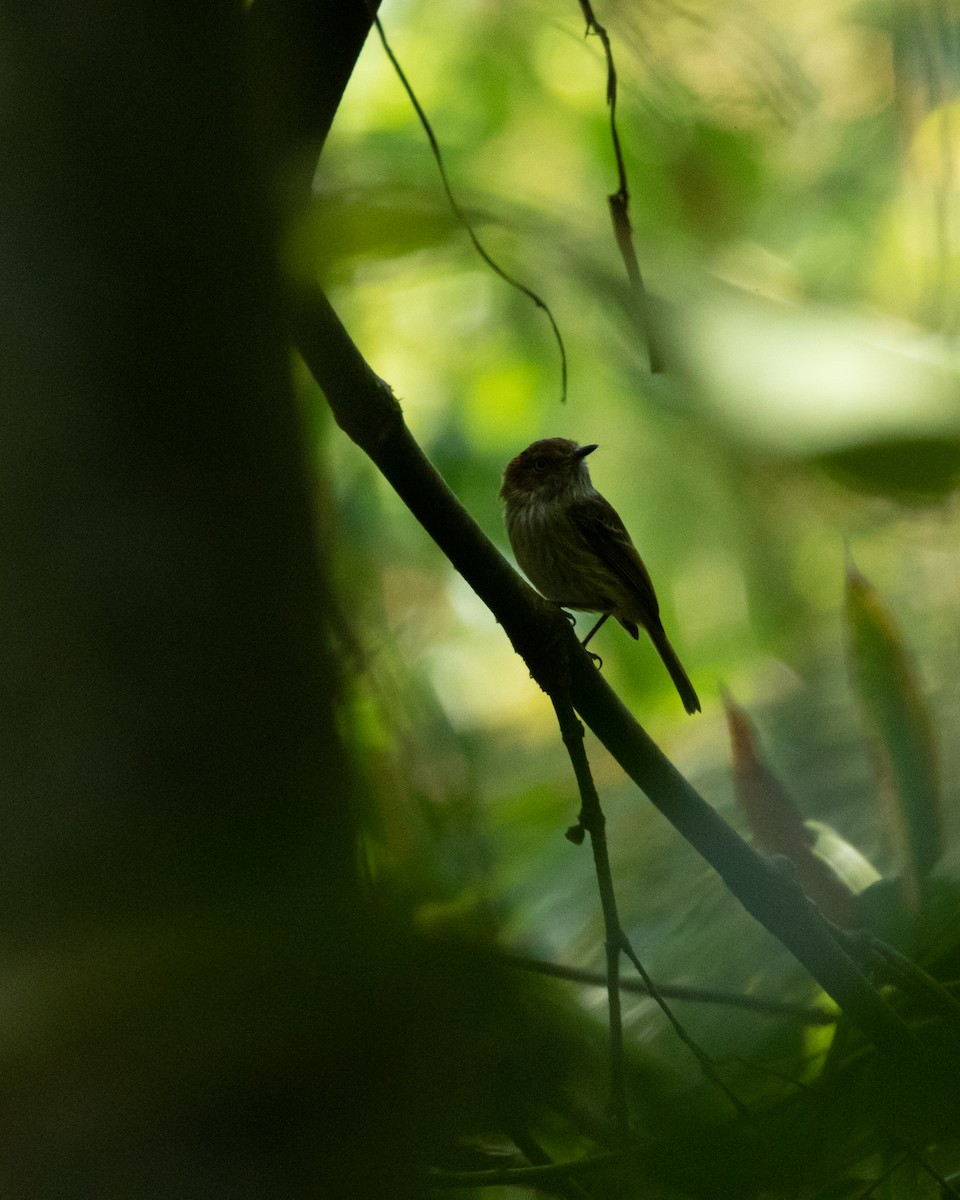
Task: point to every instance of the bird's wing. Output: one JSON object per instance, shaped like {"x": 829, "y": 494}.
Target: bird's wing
{"x": 599, "y": 524}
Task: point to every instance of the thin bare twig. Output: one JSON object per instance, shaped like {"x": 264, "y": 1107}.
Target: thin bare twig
{"x": 535, "y": 1154}
{"x": 619, "y": 200}
{"x": 594, "y": 26}
{"x": 592, "y": 820}
{"x": 910, "y": 1155}
{"x": 529, "y": 1176}
{"x": 462, "y": 217}
{"x": 807, "y": 1014}
{"x": 707, "y": 1065}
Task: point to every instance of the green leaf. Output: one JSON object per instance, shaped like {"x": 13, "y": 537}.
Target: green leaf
{"x": 829, "y": 869}
{"x": 898, "y": 721}
{"x": 842, "y": 857}
{"x": 913, "y": 470}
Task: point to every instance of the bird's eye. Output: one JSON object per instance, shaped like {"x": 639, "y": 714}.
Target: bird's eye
{"x": 540, "y": 464}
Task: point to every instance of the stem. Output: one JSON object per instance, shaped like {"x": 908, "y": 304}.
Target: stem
{"x": 619, "y": 201}
{"x": 593, "y": 821}
{"x": 367, "y": 411}
{"x": 521, "y": 1176}
{"x": 805, "y": 1014}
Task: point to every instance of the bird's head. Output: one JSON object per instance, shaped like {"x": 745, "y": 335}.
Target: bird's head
{"x": 547, "y": 470}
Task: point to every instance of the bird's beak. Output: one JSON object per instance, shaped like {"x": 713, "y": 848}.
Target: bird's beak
{"x": 583, "y": 451}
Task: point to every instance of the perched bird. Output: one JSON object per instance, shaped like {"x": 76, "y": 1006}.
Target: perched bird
{"x": 575, "y": 550}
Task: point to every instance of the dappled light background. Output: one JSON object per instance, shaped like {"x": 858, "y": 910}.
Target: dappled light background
{"x": 794, "y": 203}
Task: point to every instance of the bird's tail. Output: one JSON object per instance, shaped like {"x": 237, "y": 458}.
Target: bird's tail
{"x": 681, "y": 680}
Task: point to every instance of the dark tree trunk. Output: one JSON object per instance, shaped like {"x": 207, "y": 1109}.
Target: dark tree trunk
{"x": 176, "y": 862}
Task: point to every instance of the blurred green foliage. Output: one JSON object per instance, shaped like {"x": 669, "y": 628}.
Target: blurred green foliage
{"x": 795, "y": 210}
{"x": 277, "y": 795}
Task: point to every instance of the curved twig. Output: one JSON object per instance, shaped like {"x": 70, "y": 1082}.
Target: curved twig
{"x": 462, "y": 217}
{"x": 619, "y": 201}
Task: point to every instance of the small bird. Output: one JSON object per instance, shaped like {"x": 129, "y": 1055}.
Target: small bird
{"x": 575, "y": 550}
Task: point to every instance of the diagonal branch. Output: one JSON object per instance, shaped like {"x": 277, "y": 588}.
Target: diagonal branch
{"x": 365, "y": 408}
{"x": 367, "y": 411}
